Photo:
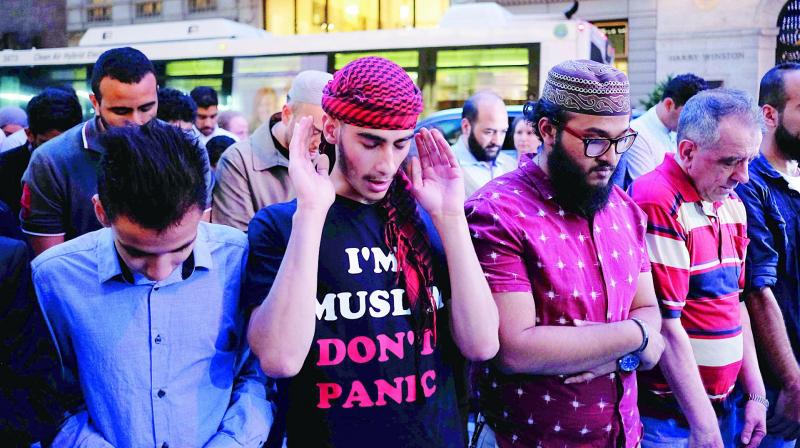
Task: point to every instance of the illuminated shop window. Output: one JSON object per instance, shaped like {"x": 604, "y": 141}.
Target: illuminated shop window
{"x": 326, "y": 16}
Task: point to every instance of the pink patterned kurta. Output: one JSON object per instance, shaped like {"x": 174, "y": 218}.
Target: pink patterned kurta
{"x": 580, "y": 272}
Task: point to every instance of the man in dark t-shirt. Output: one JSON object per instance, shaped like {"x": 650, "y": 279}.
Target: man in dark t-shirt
{"x": 353, "y": 308}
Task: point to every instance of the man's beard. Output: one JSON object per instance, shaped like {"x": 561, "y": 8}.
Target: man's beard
{"x": 479, "y": 151}
{"x": 569, "y": 183}
{"x": 788, "y": 144}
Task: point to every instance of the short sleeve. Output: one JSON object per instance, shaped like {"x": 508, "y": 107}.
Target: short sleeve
{"x": 669, "y": 258}
{"x": 43, "y": 197}
{"x": 268, "y": 236}
{"x": 499, "y": 246}
{"x": 766, "y": 231}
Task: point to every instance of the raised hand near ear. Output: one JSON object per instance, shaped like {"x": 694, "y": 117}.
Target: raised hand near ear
{"x": 436, "y": 176}
{"x": 310, "y": 179}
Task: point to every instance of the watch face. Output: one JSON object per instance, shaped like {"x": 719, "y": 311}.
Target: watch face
{"x": 629, "y": 362}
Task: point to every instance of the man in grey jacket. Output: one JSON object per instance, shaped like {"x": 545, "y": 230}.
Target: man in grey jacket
{"x": 254, "y": 173}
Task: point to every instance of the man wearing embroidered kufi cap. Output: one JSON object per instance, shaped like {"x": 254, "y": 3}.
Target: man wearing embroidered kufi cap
{"x": 353, "y": 305}
{"x": 564, "y": 253}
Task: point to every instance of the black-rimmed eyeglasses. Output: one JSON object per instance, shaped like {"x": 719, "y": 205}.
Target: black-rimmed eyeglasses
{"x": 597, "y": 146}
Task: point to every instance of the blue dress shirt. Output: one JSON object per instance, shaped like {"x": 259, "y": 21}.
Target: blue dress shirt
{"x": 773, "y": 255}
{"x": 159, "y": 363}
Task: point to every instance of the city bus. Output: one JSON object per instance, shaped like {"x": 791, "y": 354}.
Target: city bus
{"x": 474, "y": 47}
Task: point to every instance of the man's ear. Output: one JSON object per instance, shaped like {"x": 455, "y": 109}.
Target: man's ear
{"x": 548, "y": 131}
{"x": 286, "y": 114}
{"x": 100, "y": 212}
{"x": 30, "y": 135}
{"x": 329, "y": 128}
{"x": 771, "y": 116}
{"x": 95, "y": 103}
{"x": 687, "y": 149}
{"x": 466, "y": 127}
{"x": 669, "y": 104}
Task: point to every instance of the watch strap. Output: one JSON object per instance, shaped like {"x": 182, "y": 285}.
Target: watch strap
{"x": 645, "y": 334}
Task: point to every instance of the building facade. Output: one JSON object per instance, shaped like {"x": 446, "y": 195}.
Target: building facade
{"x": 33, "y": 24}
{"x": 84, "y": 14}
{"x": 731, "y": 44}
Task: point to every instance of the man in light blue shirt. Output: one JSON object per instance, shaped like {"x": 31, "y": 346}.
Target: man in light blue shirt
{"x": 656, "y": 129}
{"x": 484, "y": 124}
{"x": 145, "y": 312}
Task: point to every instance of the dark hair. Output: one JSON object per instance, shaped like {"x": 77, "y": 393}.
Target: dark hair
{"x": 470, "y": 108}
{"x": 204, "y": 96}
{"x": 216, "y": 146}
{"x": 536, "y": 110}
{"x": 152, "y": 174}
{"x": 516, "y": 122}
{"x": 53, "y": 109}
{"x": 772, "y": 90}
{"x": 127, "y": 65}
{"x": 175, "y": 105}
{"x": 683, "y": 87}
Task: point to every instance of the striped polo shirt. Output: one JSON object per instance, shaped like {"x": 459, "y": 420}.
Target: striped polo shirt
{"x": 697, "y": 249}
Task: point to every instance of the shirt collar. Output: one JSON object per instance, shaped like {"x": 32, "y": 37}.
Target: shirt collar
{"x": 466, "y": 158}
{"x": 537, "y": 177}
{"x": 678, "y": 177}
{"x": 762, "y": 166}
{"x": 265, "y": 154}
{"x": 652, "y": 115}
{"x": 90, "y": 135}
{"x": 109, "y": 263}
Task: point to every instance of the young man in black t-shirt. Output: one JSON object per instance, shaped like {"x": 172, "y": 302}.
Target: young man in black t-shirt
{"x": 354, "y": 309}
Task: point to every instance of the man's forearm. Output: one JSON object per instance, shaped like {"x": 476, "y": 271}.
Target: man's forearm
{"x": 557, "y": 350}
{"x": 769, "y": 330}
{"x": 282, "y": 328}
{"x": 750, "y": 375}
{"x": 473, "y": 311}
{"x": 680, "y": 370}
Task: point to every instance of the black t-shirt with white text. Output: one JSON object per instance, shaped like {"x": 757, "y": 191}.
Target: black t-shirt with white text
{"x": 366, "y": 381}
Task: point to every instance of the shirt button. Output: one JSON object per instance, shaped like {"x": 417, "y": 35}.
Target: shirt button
{"x": 158, "y": 339}
{"x": 161, "y": 394}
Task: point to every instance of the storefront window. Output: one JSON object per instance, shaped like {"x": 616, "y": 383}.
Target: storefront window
{"x": 322, "y": 16}
{"x": 279, "y": 16}
{"x": 617, "y": 33}
{"x": 788, "y": 45}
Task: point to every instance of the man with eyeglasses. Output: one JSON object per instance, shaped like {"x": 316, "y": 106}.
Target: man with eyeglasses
{"x": 697, "y": 238}
{"x": 563, "y": 251}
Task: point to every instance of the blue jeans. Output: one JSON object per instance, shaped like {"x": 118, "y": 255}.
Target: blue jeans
{"x": 669, "y": 434}
{"x": 775, "y": 441}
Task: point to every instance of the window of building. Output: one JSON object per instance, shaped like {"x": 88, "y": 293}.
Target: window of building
{"x": 617, "y": 32}
{"x": 323, "y": 16}
{"x": 788, "y": 48}
{"x": 202, "y": 5}
{"x": 148, "y": 8}
{"x": 98, "y": 11}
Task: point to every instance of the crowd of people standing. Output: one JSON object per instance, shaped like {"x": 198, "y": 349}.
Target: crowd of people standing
{"x": 173, "y": 282}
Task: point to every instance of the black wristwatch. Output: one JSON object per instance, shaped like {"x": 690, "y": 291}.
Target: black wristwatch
{"x": 631, "y": 361}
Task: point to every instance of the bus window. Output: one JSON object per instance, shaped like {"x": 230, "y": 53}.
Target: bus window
{"x": 260, "y": 84}
{"x": 406, "y": 59}
{"x": 460, "y": 73}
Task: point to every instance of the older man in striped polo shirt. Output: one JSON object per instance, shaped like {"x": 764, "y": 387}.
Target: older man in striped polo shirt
{"x": 697, "y": 240}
